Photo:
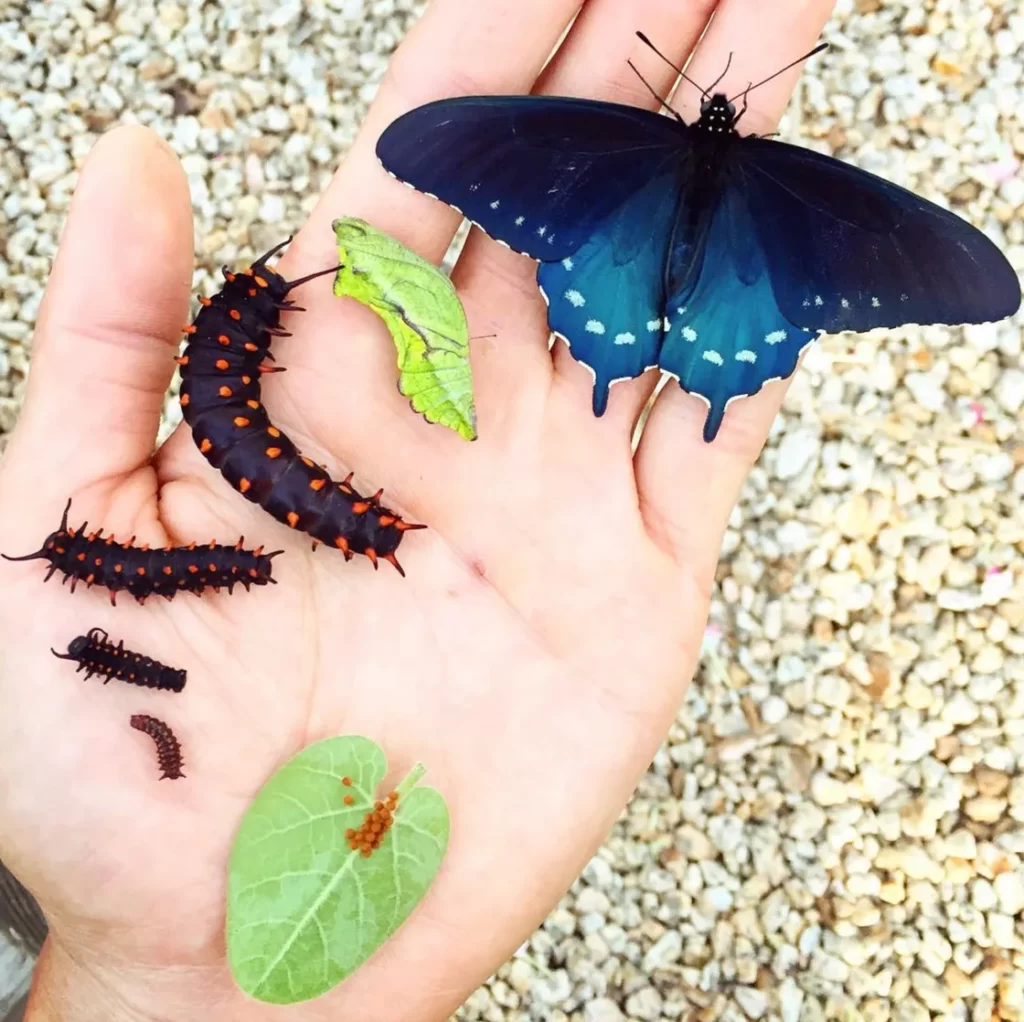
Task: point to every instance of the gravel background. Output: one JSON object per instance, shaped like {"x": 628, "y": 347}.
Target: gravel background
{"x": 834, "y": 827}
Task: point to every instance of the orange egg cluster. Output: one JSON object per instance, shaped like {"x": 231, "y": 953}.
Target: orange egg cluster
{"x": 375, "y": 825}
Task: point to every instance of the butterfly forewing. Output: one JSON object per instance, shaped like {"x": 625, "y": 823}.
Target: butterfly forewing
{"x": 538, "y": 173}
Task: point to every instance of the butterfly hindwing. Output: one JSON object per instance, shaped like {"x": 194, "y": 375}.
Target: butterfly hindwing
{"x": 535, "y": 172}
{"x": 848, "y": 250}
{"x": 607, "y": 298}
{"x": 727, "y": 335}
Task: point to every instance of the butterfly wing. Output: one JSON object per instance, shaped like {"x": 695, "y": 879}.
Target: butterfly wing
{"x": 847, "y": 250}
{"x": 538, "y": 173}
{"x": 607, "y": 299}
{"x": 725, "y": 333}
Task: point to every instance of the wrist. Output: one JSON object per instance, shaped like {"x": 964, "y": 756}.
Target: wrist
{"x": 66, "y": 987}
{"x": 65, "y": 991}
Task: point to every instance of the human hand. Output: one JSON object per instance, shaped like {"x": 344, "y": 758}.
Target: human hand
{"x": 533, "y": 658}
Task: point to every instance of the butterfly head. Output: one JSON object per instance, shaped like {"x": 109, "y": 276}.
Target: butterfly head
{"x": 717, "y": 115}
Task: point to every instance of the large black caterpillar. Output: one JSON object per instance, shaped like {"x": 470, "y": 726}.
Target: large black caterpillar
{"x": 96, "y": 654}
{"x": 168, "y": 748}
{"x": 100, "y": 560}
{"x": 221, "y": 401}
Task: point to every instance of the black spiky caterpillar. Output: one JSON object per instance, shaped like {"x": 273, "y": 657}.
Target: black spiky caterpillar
{"x": 168, "y": 748}
{"x": 221, "y": 401}
{"x": 100, "y": 560}
{"x": 96, "y": 654}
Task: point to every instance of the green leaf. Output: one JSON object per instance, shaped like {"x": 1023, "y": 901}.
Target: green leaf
{"x": 421, "y": 308}
{"x": 304, "y": 910}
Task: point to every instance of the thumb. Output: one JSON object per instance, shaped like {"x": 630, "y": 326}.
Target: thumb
{"x": 110, "y": 322}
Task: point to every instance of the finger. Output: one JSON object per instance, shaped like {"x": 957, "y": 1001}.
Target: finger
{"x": 458, "y": 47}
{"x": 593, "y": 62}
{"x": 688, "y": 488}
{"x": 110, "y": 323}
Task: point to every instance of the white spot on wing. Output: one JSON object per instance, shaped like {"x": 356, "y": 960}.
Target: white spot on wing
{"x": 624, "y": 339}
{"x": 689, "y": 334}
{"x": 520, "y": 220}
{"x": 568, "y": 263}
{"x": 653, "y": 324}
{"x": 746, "y": 355}
{"x": 775, "y": 337}
{"x": 496, "y": 204}
{"x": 474, "y": 188}
{"x": 575, "y": 298}
{"x": 819, "y": 301}
{"x": 595, "y": 326}
{"x": 542, "y": 230}
{"x": 712, "y": 356}
{"x": 875, "y": 303}
{"x": 845, "y": 303}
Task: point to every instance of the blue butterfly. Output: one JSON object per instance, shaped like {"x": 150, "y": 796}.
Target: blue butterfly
{"x": 687, "y": 247}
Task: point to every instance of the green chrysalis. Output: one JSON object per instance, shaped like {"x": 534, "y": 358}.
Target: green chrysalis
{"x": 421, "y": 308}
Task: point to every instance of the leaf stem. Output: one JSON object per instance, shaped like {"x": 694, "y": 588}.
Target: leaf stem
{"x": 411, "y": 780}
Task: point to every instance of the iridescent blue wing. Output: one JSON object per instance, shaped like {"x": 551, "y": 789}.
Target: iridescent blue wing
{"x": 726, "y": 334}
{"x": 607, "y": 299}
{"x": 538, "y": 173}
{"x": 847, "y": 250}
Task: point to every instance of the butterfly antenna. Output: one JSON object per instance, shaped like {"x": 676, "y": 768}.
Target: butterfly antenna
{"x": 647, "y": 85}
{"x": 800, "y": 60}
{"x": 715, "y": 83}
{"x": 678, "y": 70}
{"x": 289, "y": 285}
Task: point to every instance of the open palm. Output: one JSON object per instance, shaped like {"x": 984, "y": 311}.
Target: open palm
{"x": 535, "y": 654}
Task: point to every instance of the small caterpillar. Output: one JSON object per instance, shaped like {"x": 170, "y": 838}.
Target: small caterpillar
{"x": 168, "y": 748}
{"x": 95, "y": 654}
{"x": 100, "y": 560}
{"x": 221, "y": 401}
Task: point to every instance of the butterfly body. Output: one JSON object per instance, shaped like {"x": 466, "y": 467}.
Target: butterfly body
{"x": 713, "y": 256}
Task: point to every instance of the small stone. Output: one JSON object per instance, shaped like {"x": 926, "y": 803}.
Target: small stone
{"x": 806, "y": 822}
{"x": 791, "y": 1000}
{"x": 592, "y": 900}
{"x": 991, "y": 783}
{"x": 960, "y": 710}
{"x": 241, "y": 57}
{"x": 1010, "y": 390}
{"x": 694, "y": 844}
{"x": 984, "y": 809}
{"x": 553, "y": 988}
{"x": 602, "y": 1010}
{"x": 828, "y": 791}
{"x": 957, "y": 982}
{"x": 796, "y": 451}
{"x": 930, "y": 991}
{"x": 521, "y": 975}
{"x": 598, "y": 873}
{"x": 645, "y": 1004}
{"x": 664, "y": 951}
{"x": 715, "y": 900}
{"x": 1009, "y": 889}
{"x": 754, "y": 1002}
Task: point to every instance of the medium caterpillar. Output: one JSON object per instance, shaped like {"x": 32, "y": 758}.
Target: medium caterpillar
{"x": 100, "y": 560}
{"x": 96, "y": 654}
{"x": 168, "y": 748}
{"x": 221, "y": 401}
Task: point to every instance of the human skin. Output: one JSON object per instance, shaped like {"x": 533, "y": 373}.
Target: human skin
{"x": 533, "y": 658}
